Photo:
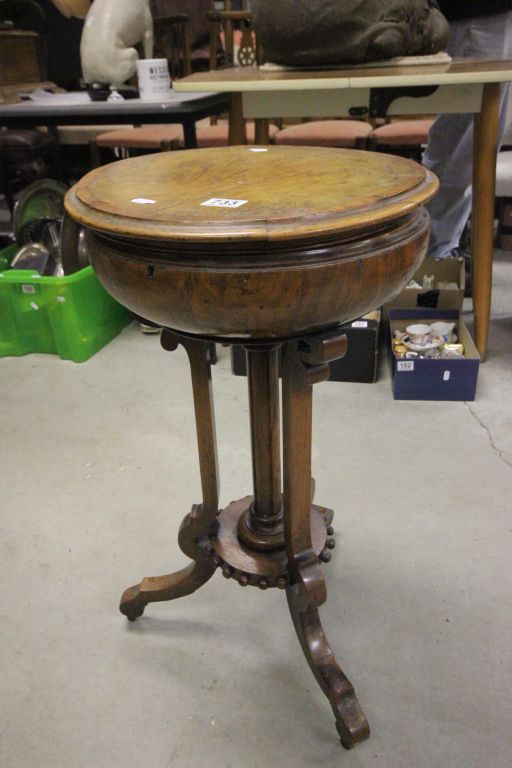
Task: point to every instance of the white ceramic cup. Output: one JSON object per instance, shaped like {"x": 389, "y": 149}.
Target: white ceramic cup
{"x": 154, "y": 79}
{"x": 419, "y": 333}
{"x": 442, "y": 329}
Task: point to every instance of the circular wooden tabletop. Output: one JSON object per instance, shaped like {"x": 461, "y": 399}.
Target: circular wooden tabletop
{"x": 249, "y": 192}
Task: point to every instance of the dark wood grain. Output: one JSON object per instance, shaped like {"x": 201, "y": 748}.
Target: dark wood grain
{"x": 326, "y": 236}
{"x": 261, "y": 527}
{"x": 197, "y": 527}
{"x": 291, "y": 261}
{"x": 292, "y": 193}
{"x": 307, "y": 590}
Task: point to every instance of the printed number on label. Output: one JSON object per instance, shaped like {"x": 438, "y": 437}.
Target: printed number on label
{"x": 405, "y": 365}
{"x": 223, "y": 202}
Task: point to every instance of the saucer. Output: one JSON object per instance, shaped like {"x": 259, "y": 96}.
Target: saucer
{"x": 436, "y": 341}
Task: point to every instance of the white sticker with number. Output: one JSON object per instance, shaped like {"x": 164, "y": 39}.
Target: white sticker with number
{"x": 405, "y": 365}
{"x": 360, "y": 324}
{"x": 223, "y": 202}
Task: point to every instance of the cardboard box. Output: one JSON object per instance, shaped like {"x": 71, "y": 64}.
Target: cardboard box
{"x": 360, "y": 363}
{"x": 443, "y": 270}
{"x": 434, "y": 379}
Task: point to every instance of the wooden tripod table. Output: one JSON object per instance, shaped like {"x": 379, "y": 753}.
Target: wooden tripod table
{"x": 271, "y": 248}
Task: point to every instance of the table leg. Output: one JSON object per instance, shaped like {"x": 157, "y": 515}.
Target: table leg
{"x": 236, "y": 120}
{"x": 261, "y": 134}
{"x": 307, "y": 590}
{"x": 189, "y": 133}
{"x": 198, "y": 526}
{"x": 484, "y": 181}
{"x": 261, "y": 527}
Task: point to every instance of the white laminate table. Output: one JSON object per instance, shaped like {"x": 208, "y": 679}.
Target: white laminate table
{"x": 76, "y": 108}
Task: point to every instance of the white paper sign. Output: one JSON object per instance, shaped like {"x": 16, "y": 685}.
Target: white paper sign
{"x": 405, "y": 365}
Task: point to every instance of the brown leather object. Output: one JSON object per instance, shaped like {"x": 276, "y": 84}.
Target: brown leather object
{"x": 302, "y": 33}
{"x": 325, "y": 133}
{"x": 403, "y": 132}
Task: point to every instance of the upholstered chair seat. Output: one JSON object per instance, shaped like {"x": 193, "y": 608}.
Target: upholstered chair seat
{"x": 326, "y": 133}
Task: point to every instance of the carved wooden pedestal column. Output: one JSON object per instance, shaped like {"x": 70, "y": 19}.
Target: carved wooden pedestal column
{"x": 272, "y": 249}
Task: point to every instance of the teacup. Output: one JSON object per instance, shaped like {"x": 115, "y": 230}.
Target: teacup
{"x": 419, "y": 333}
{"x": 442, "y": 328}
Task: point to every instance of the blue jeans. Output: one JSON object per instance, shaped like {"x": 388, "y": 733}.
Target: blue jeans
{"x": 449, "y": 152}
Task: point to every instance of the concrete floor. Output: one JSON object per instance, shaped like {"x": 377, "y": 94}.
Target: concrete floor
{"x": 98, "y": 468}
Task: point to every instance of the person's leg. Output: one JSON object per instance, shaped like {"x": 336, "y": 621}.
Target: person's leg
{"x": 450, "y": 146}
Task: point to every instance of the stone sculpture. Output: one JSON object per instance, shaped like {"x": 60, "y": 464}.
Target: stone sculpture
{"x": 331, "y": 32}
{"x": 112, "y": 28}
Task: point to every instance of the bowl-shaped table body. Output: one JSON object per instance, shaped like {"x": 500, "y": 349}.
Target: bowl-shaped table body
{"x": 254, "y": 242}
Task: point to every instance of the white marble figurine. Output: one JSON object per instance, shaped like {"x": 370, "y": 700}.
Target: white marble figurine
{"x": 112, "y": 28}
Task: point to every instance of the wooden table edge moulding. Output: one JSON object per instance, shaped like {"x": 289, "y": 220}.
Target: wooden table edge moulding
{"x": 272, "y": 249}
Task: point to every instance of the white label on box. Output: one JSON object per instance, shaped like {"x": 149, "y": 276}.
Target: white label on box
{"x": 360, "y": 324}
{"x": 405, "y": 365}
{"x": 28, "y": 289}
{"x": 446, "y": 375}
{"x": 223, "y": 202}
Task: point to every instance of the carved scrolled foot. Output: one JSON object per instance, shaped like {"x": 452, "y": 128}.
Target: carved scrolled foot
{"x": 132, "y": 604}
{"x": 351, "y": 722}
{"x": 157, "y": 588}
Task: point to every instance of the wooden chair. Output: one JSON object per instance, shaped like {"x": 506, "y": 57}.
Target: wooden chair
{"x": 198, "y": 31}
{"x": 172, "y": 42}
{"x": 238, "y": 47}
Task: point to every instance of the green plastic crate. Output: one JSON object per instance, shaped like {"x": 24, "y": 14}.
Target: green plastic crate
{"x": 71, "y": 316}
{"x": 7, "y": 255}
